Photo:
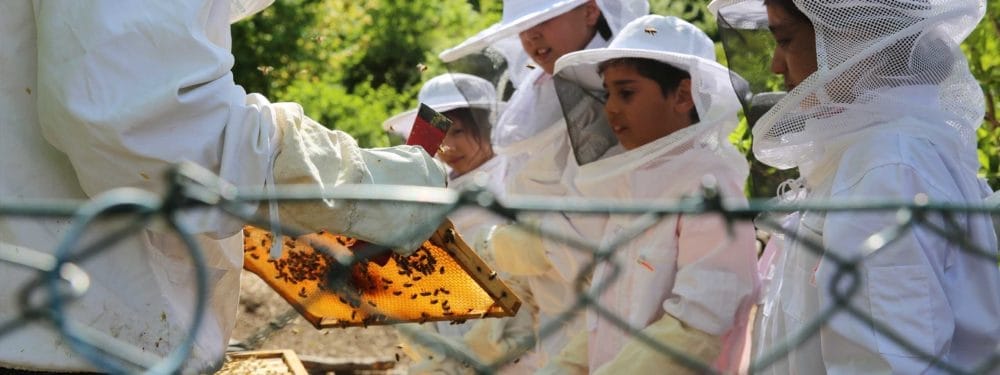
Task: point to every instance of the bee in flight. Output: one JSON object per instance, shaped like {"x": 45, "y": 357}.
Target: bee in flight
{"x": 265, "y": 69}
{"x": 421, "y": 68}
{"x": 650, "y": 30}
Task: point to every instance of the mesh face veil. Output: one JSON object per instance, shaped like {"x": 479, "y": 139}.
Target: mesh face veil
{"x": 520, "y": 15}
{"x": 873, "y": 58}
{"x": 531, "y": 111}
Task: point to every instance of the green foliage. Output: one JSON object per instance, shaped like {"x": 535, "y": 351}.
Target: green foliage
{"x": 352, "y": 63}
{"x": 983, "y": 50}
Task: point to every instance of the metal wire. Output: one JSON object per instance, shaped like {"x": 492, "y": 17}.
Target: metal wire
{"x": 62, "y": 281}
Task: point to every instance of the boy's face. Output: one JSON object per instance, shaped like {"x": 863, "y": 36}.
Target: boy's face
{"x": 795, "y": 50}
{"x": 568, "y": 32}
{"x": 461, "y": 150}
{"x": 637, "y": 110}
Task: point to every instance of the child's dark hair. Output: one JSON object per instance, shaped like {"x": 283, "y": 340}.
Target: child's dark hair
{"x": 789, "y": 6}
{"x": 665, "y": 75}
{"x": 477, "y": 121}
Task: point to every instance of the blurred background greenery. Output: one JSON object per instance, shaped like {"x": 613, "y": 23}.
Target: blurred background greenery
{"x": 352, "y": 64}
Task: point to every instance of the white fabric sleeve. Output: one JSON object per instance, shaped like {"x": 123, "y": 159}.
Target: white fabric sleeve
{"x": 899, "y": 287}
{"x": 127, "y": 89}
{"x": 716, "y": 272}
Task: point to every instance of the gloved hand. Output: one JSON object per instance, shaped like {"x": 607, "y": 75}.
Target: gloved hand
{"x": 517, "y": 251}
{"x": 312, "y": 155}
{"x": 572, "y": 359}
{"x": 638, "y": 358}
{"x": 493, "y": 339}
{"x": 429, "y": 351}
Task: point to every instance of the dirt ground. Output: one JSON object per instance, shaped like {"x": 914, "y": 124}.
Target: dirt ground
{"x": 259, "y": 306}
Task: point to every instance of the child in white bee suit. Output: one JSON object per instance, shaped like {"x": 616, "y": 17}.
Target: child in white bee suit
{"x": 101, "y": 95}
{"x": 532, "y": 137}
{"x": 881, "y": 107}
{"x": 688, "y": 281}
{"x": 471, "y": 103}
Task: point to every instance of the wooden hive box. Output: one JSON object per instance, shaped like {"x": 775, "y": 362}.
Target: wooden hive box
{"x": 263, "y": 362}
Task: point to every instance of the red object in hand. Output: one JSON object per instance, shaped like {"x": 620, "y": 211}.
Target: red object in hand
{"x": 428, "y": 129}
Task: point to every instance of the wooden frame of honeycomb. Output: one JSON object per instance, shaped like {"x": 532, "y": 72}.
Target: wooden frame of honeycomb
{"x": 444, "y": 280}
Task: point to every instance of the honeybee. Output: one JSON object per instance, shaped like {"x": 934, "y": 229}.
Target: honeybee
{"x": 650, "y": 30}
{"x": 529, "y": 66}
{"x": 318, "y": 38}
{"x": 421, "y": 68}
{"x": 265, "y": 69}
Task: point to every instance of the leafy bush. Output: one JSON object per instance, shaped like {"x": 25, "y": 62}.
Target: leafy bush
{"x": 352, "y": 64}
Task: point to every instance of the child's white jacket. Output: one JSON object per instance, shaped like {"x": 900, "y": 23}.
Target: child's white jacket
{"x": 699, "y": 269}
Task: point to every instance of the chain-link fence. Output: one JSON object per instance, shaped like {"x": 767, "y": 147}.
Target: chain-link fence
{"x": 60, "y": 279}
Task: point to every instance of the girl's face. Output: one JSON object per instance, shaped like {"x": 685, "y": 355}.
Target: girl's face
{"x": 568, "y": 32}
{"x": 795, "y": 51}
{"x": 462, "y": 150}
{"x": 637, "y": 110}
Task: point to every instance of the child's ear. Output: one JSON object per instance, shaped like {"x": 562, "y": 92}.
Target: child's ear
{"x": 685, "y": 101}
{"x": 593, "y": 13}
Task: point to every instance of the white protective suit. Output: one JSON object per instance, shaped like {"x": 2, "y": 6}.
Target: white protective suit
{"x": 105, "y": 94}
{"x": 532, "y": 136}
{"x": 890, "y": 114}
{"x": 692, "y": 269}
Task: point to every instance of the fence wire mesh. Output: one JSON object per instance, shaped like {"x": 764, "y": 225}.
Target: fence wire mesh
{"x": 60, "y": 279}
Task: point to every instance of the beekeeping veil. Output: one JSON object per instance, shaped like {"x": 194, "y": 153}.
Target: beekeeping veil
{"x": 448, "y": 92}
{"x": 529, "y": 112}
{"x": 668, "y": 40}
{"x": 241, "y": 9}
{"x": 874, "y": 57}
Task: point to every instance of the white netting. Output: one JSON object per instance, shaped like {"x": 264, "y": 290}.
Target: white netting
{"x": 520, "y": 15}
{"x": 619, "y": 13}
{"x": 867, "y": 50}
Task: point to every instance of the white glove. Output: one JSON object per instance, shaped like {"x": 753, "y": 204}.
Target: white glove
{"x": 518, "y": 251}
{"x": 429, "y": 350}
{"x": 313, "y": 155}
{"x": 492, "y": 339}
{"x": 573, "y": 359}
{"x": 638, "y": 358}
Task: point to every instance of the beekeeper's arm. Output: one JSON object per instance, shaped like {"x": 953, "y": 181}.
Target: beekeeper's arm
{"x": 899, "y": 288}
{"x": 128, "y": 88}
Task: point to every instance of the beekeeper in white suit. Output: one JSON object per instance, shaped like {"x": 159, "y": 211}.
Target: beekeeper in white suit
{"x": 104, "y": 94}
{"x": 690, "y": 280}
{"x": 533, "y": 137}
{"x": 881, "y": 106}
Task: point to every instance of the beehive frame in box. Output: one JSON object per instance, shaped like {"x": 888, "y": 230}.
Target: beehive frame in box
{"x": 443, "y": 280}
